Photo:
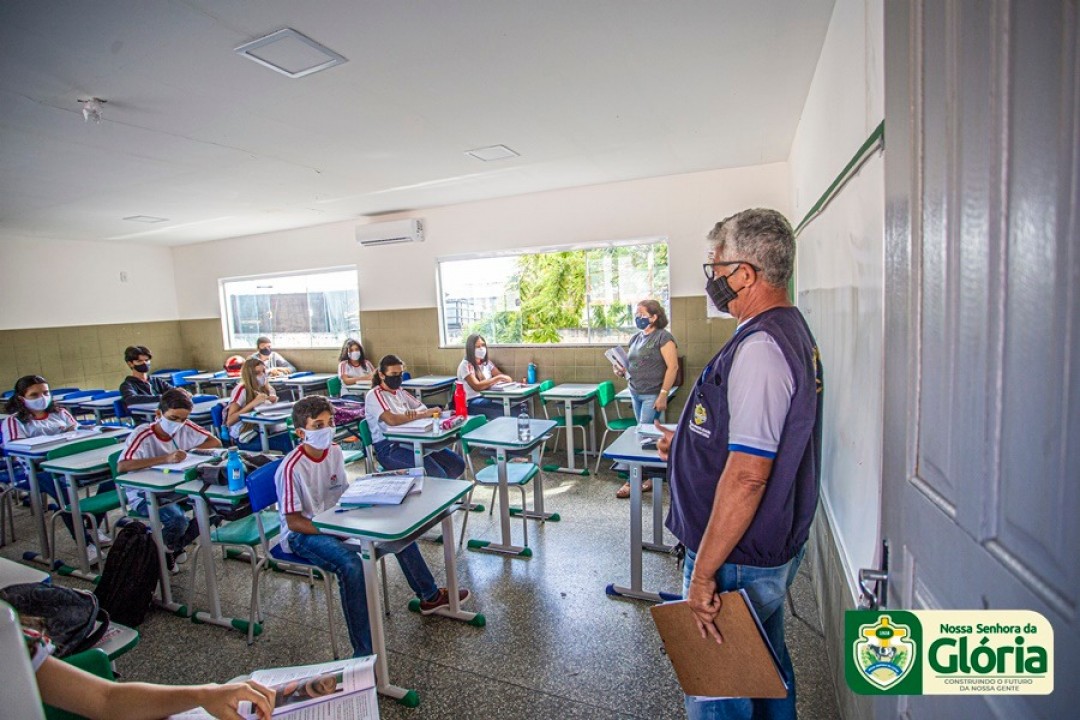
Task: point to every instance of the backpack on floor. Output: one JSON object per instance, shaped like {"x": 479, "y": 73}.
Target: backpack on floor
{"x": 72, "y": 619}
{"x": 126, "y": 588}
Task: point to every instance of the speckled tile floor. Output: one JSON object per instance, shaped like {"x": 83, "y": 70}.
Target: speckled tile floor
{"x": 554, "y": 645}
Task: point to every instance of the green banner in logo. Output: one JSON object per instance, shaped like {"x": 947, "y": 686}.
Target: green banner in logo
{"x": 948, "y": 652}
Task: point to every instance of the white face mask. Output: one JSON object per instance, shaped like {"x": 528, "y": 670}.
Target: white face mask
{"x": 354, "y": 356}
{"x": 260, "y": 380}
{"x": 38, "y": 404}
{"x": 481, "y": 353}
{"x": 319, "y": 439}
{"x": 170, "y": 427}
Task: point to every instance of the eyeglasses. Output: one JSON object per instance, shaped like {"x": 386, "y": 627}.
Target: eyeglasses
{"x": 707, "y": 268}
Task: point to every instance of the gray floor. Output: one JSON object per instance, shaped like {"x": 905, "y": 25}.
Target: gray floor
{"x": 554, "y": 646}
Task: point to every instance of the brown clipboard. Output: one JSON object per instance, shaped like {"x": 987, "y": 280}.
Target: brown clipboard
{"x": 744, "y": 665}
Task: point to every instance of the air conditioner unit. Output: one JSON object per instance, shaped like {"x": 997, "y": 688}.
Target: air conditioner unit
{"x": 390, "y": 233}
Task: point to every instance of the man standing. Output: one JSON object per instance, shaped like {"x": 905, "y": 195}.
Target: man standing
{"x": 745, "y": 456}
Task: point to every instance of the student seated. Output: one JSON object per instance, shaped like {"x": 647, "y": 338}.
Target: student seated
{"x": 166, "y": 440}
{"x": 477, "y": 373}
{"x": 353, "y": 365}
{"x": 32, "y": 413}
{"x": 253, "y": 390}
{"x": 309, "y": 481}
{"x": 67, "y": 687}
{"x": 276, "y": 365}
{"x": 139, "y": 387}
{"x": 386, "y": 405}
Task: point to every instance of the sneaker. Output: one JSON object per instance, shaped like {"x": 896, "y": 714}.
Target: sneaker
{"x": 92, "y": 554}
{"x": 104, "y": 539}
{"x": 170, "y": 563}
{"x": 180, "y": 558}
{"x": 441, "y": 600}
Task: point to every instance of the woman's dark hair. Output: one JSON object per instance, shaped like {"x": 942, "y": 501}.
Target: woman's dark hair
{"x": 386, "y": 362}
{"x": 132, "y": 353}
{"x": 470, "y": 349}
{"x": 175, "y": 399}
{"x": 655, "y": 308}
{"x": 345, "y": 351}
{"x": 15, "y": 405}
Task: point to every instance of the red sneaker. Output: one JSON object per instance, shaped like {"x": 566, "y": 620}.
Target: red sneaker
{"x": 441, "y": 600}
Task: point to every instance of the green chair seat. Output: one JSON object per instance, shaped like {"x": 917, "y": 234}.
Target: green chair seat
{"x": 246, "y": 530}
{"x": 579, "y": 420}
{"x": 98, "y": 504}
{"x": 516, "y": 474}
{"x": 352, "y": 456}
{"x": 621, "y": 423}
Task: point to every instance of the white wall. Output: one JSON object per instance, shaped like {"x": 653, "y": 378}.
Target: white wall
{"x": 681, "y": 207}
{"x": 840, "y": 269}
{"x": 42, "y": 281}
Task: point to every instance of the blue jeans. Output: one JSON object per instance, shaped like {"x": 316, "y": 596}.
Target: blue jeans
{"x": 643, "y": 407}
{"x": 174, "y": 524}
{"x": 767, "y": 587}
{"x": 443, "y": 463}
{"x": 333, "y": 555}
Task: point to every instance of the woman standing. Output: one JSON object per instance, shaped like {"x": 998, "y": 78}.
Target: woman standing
{"x": 654, "y": 363}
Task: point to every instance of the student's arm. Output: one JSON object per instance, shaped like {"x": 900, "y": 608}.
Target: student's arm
{"x": 670, "y": 353}
{"x": 130, "y": 395}
{"x": 209, "y": 444}
{"x": 300, "y": 524}
{"x": 498, "y": 376}
{"x": 77, "y": 691}
{"x": 234, "y": 411}
{"x": 393, "y": 418}
{"x": 142, "y": 463}
{"x": 477, "y": 384}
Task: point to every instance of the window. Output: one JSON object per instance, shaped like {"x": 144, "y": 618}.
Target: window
{"x": 554, "y": 296}
{"x": 315, "y": 309}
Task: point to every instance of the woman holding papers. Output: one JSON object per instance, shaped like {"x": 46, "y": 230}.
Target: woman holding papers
{"x": 477, "y": 373}
{"x": 252, "y": 391}
{"x": 388, "y": 406}
{"x": 32, "y": 413}
{"x": 654, "y": 363}
{"x": 166, "y": 440}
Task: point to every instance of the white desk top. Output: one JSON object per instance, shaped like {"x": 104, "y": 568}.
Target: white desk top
{"x": 429, "y": 381}
{"x": 152, "y": 480}
{"x": 200, "y": 408}
{"x": 41, "y": 451}
{"x": 358, "y": 388}
{"x": 627, "y": 448}
{"x": 312, "y": 379}
{"x": 436, "y": 434}
{"x": 85, "y": 462}
{"x": 202, "y": 376}
{"x": 13, "y": 573}
{"x": 393, "y": 522}
{"x": 214, "y": 492}
{"x": 519, "y": 391}
{"x": 572, "y": 391}
{"x": 100, "y": 403}
{"x": 502, "y": 432}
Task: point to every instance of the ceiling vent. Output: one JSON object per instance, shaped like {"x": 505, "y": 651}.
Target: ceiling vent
{"x": 290, "y": 53}
{"x": 390, "y": 233}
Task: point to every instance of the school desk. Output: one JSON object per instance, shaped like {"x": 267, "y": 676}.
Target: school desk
{"x": 428, "y": 385}
{"x": 512, "y": 395}
{"x": 571, "y": 395}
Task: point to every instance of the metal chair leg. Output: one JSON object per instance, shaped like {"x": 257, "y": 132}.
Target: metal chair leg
{"x": 328, "y": 586}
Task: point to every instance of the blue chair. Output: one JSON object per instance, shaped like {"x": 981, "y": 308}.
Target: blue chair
{"x": 120, "y": 410}
{"x": 58, "y": 391}
{"x": 179, "y": 377}
{"x": 203, "y": 398}
{"x": 217, "y": 420}
{"x": 262, "y": 492}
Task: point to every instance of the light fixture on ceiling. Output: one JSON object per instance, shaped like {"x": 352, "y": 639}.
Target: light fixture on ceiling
{"x": 148, "y": 219}
{"x": 92, "y": 108}
{"x": 290, "y": 53}
{"x": 492, "y": 152}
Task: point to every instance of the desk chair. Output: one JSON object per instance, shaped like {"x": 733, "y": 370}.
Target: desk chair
{"x": 605, "y": 397}
{"x": 203, "y": 398}
{"x": 120, "y": 410}
{"x": 92, "y": 506}
{"x": 13, "y": 480}
{"x": 579, "y": 422}
{"x": 217, "y": 421}
{"x": 333, "y": 387}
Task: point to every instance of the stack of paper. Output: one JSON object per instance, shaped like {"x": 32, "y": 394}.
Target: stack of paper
{"x": 386, "y": 488}
{"x": 648, "y": 430}
{"x": 617, "y": 356}
{"x": 507, "y": 386}
{"x": 274, "y": 408}
{"x": 43, "y": 441}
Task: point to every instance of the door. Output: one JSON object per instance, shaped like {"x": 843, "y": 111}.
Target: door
{"x": 981, "y": 457}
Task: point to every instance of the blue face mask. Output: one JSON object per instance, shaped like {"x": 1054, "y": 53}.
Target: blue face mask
{"x": 641, "y": 322}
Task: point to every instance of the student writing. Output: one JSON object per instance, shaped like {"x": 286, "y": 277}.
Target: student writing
{"x": 253, "y": 390}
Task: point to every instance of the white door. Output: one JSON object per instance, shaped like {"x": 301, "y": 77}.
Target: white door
{"x": 981, "y": 458}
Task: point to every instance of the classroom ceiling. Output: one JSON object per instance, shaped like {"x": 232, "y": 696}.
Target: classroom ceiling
{"x": 586, "y": 91}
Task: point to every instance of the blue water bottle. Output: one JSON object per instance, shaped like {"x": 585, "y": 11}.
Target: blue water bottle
{"x": 234, "y": 468}
{"x": 532, "y": 373}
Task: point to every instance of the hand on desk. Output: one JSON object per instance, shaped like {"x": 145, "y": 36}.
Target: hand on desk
{"x": 176, "y": 456}
{"x": 663, "y": 445}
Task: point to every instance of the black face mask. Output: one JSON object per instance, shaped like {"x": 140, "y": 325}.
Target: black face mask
{"x": 141, "y": 367}
{"x": 392, "y": 381}
{"x": 720, "y": 292}
{"x": 264, "y": 351}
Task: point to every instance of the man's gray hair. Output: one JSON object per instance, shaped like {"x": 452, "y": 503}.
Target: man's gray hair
{"x": 762, "y": 237}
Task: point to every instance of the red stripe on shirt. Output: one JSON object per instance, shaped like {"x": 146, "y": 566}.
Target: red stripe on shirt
{"x": 236, "y": 393}
{"x": 137, "y": 440}
{"x": 378, "y": 396}
{"x": 13, "y": 429}
{"x": 290, "y": 493}
{"x": 197, "y": 428}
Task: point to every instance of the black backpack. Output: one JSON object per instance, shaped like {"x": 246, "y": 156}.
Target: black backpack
{"x": 126, "y": 588}
{"x": 72, "y": 619}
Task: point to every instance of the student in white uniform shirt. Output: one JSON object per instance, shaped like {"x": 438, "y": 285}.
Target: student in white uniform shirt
{"x": 387, "y": 405}
{"x": 353, "y": 364}
{"x": 166, "y": 440}
{"x": 309, "y": 481}
{"x": 32, "y": 413}
{"x": 253, "y": 390}
{"x": 476, "y": 373}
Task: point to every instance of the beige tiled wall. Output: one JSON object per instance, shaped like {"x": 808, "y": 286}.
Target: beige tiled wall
{"x": 92, "y": 356}
{"x": 89, "y": 356}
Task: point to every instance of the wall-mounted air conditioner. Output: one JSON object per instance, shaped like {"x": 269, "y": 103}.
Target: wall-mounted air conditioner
{"x": 390, "y": 233}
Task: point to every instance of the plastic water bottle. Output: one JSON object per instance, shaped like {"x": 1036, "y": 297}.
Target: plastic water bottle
{"x": 532, "y": 373}
{"x": 234, "y": 468}
{"x": 524, "y": 426}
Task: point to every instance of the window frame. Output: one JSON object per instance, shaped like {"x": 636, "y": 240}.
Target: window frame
{"x": 536, "y": 250}
{"x": 223, "y": 304}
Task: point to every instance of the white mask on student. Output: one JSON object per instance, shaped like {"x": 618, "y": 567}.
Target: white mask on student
{"x": 170, "y": 427}
{"x": 354, "y": 356}
{"x": 38, "y": 404}
{"x": 481, "y": 353}
{"x": 319, "y": 439}
{"x": 260, "y": 380}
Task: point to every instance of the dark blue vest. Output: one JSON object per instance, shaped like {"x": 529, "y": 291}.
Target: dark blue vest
{"x": 699, "y": 449}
